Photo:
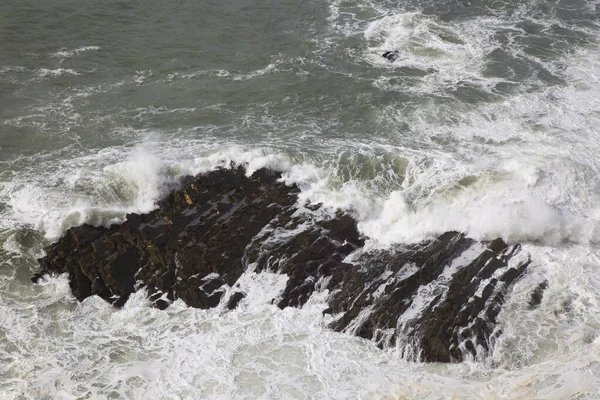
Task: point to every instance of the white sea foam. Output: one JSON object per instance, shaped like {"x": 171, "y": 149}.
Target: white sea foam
{"x": 253, "y": 74}
{"x": 259, "y": 350}
{"x": 10, "y": 68}
{"x": 514, "y": 200}
{"x": 453, "y": 52}
{"x": 495, "y": 175}
{"x": 144, "y": 112}
{"x": 256, "y": 350}
{"x": 45, "y": 72}
{"x": 222, "y": 73}
{"x": 141, "y": 76}
{"x": 63, "y": 53}
{"x": 523, "y": 167}
{"x": 99, "y": 197}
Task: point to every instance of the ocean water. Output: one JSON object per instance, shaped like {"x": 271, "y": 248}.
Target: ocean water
{"x": 487, "y": 123}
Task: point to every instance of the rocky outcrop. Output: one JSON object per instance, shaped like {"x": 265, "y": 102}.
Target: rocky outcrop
{"x": 186, "y": 249}
{"x": 391, "y": 56}
{"x": 438, "y": 300}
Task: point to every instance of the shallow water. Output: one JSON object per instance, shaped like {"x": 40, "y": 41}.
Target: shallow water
{"x": 486, "y": 123}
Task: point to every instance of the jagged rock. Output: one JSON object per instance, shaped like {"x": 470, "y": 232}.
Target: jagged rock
{"x": 234, "y": 300}
{"x": 313, "y": 251}
{"x": 187, "y": 249}
{"x": 391, "y": 56}
{"x": 535, "y": 298}
{"x": 438, "y": 300}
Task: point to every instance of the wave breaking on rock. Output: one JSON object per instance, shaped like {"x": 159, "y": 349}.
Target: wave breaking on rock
{"x": 438, "y": 300}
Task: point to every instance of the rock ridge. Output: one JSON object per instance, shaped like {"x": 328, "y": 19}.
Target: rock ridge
{"x": 438, "y": 300}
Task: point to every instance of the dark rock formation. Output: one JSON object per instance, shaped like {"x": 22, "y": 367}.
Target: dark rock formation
{"x": 536, "y": 296}
{"x": 438, "y": 300}
{"x": 391, "y": 56}
{"x": 188, "y": 248}
{"x": 448, "y": 293}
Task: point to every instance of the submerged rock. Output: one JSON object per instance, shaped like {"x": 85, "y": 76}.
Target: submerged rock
{"x": 391, "y": 56}
{"x": 438, "y": 300}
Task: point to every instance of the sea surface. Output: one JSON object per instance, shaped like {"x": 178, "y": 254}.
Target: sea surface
{"x": 487, "y": 123}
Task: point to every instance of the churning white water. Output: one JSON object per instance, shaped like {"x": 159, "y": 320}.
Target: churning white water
{"x": 488, "y": 122}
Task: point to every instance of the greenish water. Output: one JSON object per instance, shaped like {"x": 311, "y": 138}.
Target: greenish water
{"x": 487, "y": 123}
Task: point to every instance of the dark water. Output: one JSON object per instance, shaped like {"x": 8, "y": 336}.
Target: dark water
{"x": 156, "y": 58}
{"x": 486, "y": 123}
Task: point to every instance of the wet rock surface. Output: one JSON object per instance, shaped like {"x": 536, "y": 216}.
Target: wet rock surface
{"x": 391, "y": 56}
{"x": 437, "y": 301}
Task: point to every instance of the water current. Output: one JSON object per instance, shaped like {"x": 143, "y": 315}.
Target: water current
{"x": 488, "y": 122}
